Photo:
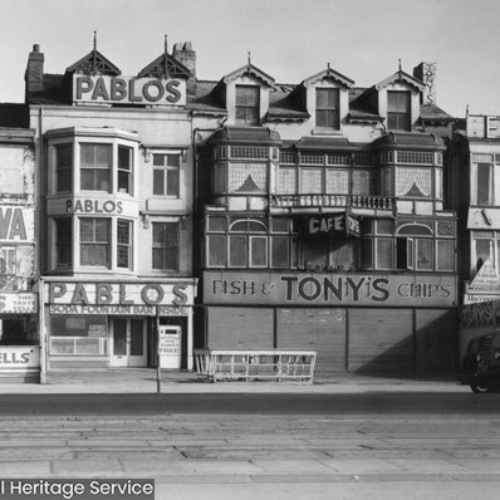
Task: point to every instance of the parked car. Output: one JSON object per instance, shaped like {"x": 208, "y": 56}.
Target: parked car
{"x": 481, "y": 364}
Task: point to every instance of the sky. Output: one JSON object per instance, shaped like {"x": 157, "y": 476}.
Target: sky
{"x": 287, "y": 39}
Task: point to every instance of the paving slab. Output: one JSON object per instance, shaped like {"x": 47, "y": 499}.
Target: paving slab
{"x": 96, "y": 468}
{"x": 25, "y": 468}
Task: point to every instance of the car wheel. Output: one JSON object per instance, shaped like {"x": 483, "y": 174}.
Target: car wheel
{"x": 479, "y": 387}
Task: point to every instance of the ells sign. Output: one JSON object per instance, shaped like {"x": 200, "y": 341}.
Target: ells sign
{"x": 100, "y": 89}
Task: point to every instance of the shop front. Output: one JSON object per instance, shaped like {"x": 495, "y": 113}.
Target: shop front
{"x": 105, "y": 324}
{"x": 355, "y": 321}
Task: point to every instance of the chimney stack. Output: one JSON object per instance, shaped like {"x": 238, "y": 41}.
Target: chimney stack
{"x": 34, "y": 71}
{"x": 426, "y": 72}
{"x": 187, "y": 57}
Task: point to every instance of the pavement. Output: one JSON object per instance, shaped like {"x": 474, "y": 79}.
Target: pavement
{"x": 145, "y": 380}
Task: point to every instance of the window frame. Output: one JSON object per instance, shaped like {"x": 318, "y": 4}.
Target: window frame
{"x": 167, "y": 171}
{"x": 166, "y": 246}
{"x": 396, "y": 115}
{"x": 251, "y": 110}
{"x": 96, "y": 243}
{"x": 83, "y": 145}
{"x": 328, "y": 109}
{"x": 128, "y": 245}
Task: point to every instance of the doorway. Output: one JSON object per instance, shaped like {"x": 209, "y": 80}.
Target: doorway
{"x": 129, "y": 343}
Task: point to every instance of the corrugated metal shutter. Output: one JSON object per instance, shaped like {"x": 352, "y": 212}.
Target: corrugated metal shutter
{"x": 380, "y": 340}
{"x": 319, "y": 329}
{"x": 240, "y": 328}
{"x": 436, "y": 331}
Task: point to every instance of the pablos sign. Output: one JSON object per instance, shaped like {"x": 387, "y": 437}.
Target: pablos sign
{"x": 325, "y": 290}
{"x": 118, "y": 298}
{"x": 128, "y": 90}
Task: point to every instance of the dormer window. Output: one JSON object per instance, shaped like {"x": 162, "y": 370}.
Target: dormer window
{"x": 327, "y": 108}
{"x": 399, "y": 110}
{"x": 248, "y": 104}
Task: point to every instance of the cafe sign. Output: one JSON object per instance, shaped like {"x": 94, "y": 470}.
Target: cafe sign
{"x": 128, "y": 90}
{"x": 324, "y": 290}
{"x": 343, "y": 224}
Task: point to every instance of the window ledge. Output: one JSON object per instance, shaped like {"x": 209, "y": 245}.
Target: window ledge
{"x": 326, "y": 131}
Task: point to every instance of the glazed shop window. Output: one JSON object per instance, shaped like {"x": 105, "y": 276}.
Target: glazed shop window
{"x": 398, "y": 110}
{"x": 125, "y": 162}
{"x": 166, "y": 174}
{"x": 63, "y": 239}
{"x": 327, "y": 108}
{"x": 64, "y": 167}
{"x": 248, "y": 104}
{"x": 166, "y": 246}
{"x": 124, "y": 244}
{"x": 95, "y": 167}
{"x": 95, "y": 241}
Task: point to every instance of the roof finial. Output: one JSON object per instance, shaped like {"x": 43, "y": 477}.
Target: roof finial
{"x": 165, "y": 56}
{"x": 328, "y": 66}
{"x": 249, "y": 58}
{"x": 95, "y": 40}
{"x": 399, "y": 64}
{"x": 94, "y": 54}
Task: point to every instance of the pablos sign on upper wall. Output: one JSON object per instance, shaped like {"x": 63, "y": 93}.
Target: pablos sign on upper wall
{"x": 100, "y": 89}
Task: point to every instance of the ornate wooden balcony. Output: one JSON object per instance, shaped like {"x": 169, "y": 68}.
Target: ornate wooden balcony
{"x": 331, "y": 200}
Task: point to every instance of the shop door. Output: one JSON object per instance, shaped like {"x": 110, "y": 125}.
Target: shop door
{"x": 129, "y": 343}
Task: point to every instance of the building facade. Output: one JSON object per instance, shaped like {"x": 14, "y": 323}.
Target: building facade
{"x": 323, "y": 221}
{"x": 19, "y": 299}
{"x": 116, "y": 175}
{"x": 475, "y": 180}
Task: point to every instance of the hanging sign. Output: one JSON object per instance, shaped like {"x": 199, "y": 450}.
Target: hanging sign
{"x": 330, "y": 225}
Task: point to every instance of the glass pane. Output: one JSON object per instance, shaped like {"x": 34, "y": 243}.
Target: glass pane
{"x": 122, "y": 256}
{"x": 123, "y": 182}
{"x": 64, "y": 156}
{"x": 173, "y": 160}
{"x": 280, "y": 252}
{"x": 136, "y": 337}
{"x": 424, "y": 254}
{"x": 158, "y": 160}
{"x": 120, "y": 337}
{"x": 311, "y": 181}
{"x": 172, "y": 182}
{"x": 237, "y": 253}
{"x": 337, "y": 181}
{"x": 102, "y": 180}
{"x": 216, "y": 223}
{"x": 158, "y": 181}
{"x": 123, "y": 231}
{"x": 367, "y": 253}
{"x": 445, "y": 255}
{"x": 216, "y": 250}
{"x": 483, "y": 252}
{"x": 87, "y": 179}
{"x": 483, "y": 184}
{"x": 124, "y": 157}
{"x": 86, "y": 155}
{"x": 384, "y": 253}
{"x": 64, "y": 180}
{"x": 102, "y": 156}
{"x": 385, "y": 227}
{"x": 101, "y": 230}
{"x": 280, "y": 224}
{"x": 86, "y": 229}
{"x": 258, "y": 251}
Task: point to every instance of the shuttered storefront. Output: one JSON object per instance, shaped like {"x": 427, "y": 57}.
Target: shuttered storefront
{"x": 323, "y": 330}
{"x": 380, "y": 340}
{"x": 436, "y": 340}
{"x": 240, "y": 328}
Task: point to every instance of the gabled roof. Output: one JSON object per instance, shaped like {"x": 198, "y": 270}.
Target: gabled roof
{"x": 249, "y": 69}
{"x": 400, "y": 76}
{"x": 94, "y": 62}
{"x": 165, "y": 65}
{"x": 328, "y": 74}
